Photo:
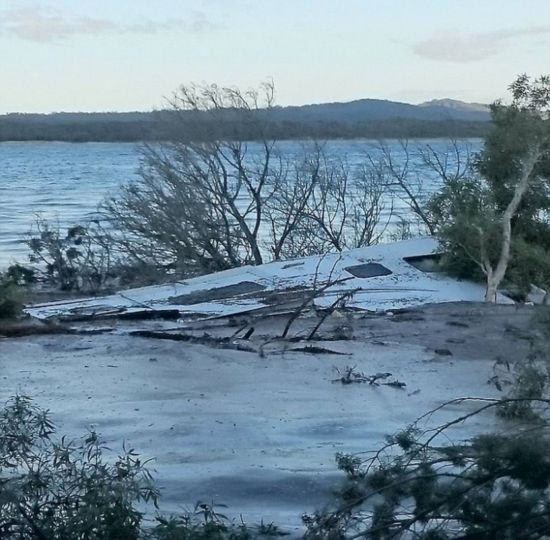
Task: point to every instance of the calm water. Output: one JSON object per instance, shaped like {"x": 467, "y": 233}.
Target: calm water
{"x": 66, "y": 181}
{"x": 60, "y": 181}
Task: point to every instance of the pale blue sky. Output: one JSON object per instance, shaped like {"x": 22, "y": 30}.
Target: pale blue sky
{"x": 91, "y": 55}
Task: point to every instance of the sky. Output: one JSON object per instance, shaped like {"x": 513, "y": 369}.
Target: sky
{"x": 107, "y": 55}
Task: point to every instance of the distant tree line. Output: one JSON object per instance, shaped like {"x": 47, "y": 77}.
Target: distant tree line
{"x": 398, "y": 128}
{"x": 133, "y": 127}
{"x": 75, "y": 130}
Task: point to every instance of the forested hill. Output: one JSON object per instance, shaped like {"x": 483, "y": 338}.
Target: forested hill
{"x": 362, "y": 118}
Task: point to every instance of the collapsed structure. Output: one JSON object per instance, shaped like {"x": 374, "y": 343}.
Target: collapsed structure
{"x": 384, "y": 277}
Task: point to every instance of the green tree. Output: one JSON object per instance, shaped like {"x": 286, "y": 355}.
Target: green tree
{"x": 499, "y": 216}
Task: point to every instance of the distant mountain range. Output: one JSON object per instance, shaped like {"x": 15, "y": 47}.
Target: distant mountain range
{"x": 377, "y": 109}
{"x": 459, "y": 107}
{"x": 360, "y": 118}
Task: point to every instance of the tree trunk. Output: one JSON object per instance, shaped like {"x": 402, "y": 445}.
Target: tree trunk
{"x": 492, "y": 286}
{"x": 496, "y": 275}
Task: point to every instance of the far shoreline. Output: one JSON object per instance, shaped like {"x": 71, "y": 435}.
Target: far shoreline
{"x": 373, "y": 140}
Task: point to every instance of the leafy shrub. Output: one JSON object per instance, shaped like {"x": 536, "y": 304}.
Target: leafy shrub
{"x": 531, "y": 381}
{"x": 84, "y": 258}
{"x": 492, "y": 486}
{"x": 21, "y": 275}
{"x": 528, "y": 379}
{"x": 205, "y": 522}
{"x": 56, "y": 488}
{"x": 79, "y": 259}
{"x": 530, "y": 264}
{"x": 10, "y": 298}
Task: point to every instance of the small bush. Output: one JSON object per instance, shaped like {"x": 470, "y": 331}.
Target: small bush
{"x": 10, "y": 298}
{"x": 84, "y": 258}
{"x": 530, "y": 382}
{"x": 21, "y": 275}
{"x": 55, "y": 488}
{"x": 78, "y": 259}
{"x": 528, "y": 379}
{"x": 206, "y": 522}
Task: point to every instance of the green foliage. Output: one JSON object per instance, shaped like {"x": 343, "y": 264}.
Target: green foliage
{"x": 528, "y": 380}
{"x": 56, "y": 489}
{"x": 469, "y": 211}
{"x": 21, "y": 275}
{"x": 493, "y": 486}
{"x": 206, "y": 522}
{"x": 10, "y": 298}
{"x": 516, "y": 129}
{"x": 530, "y": 264}
{"x": 466, "y": 224}
{"x": 78, "y": 259}
{"x": 531, "y": 382}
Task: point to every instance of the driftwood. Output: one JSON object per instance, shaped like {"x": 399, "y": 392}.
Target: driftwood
{"x": 350, "y": 375}
{"x": 217, "y": 342}
{"x": 32, "y": 328}
{"x": 312, "y": 349}
{"x": 123, "y": 314}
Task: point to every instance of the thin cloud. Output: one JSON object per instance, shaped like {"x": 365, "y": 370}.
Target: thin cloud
{"x": 463, "y": 48}
{"x": 197, "y": 23}
{"x": 43, "y": 25}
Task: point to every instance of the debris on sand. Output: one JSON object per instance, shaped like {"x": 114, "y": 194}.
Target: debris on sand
{"x": 350, "y": 375}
